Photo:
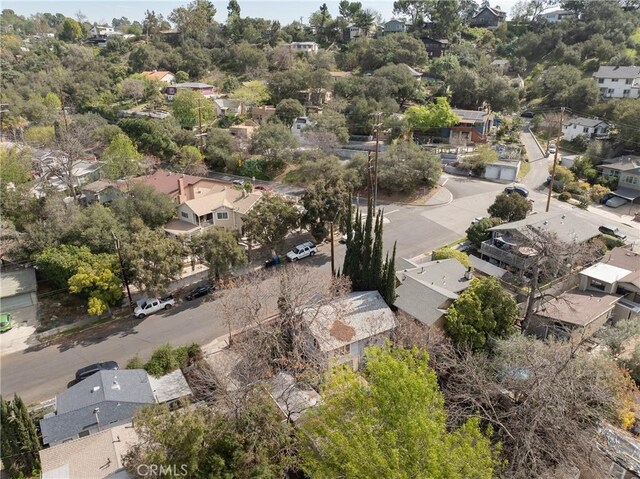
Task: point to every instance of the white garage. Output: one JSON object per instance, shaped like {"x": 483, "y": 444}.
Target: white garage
{"x": 18, "y": 289}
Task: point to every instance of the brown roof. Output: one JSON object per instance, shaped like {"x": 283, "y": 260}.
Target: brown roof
{"x": 579, "y": 308}
{"x": 341, "y": 331}
{"x": 625, "y": 258}
{"x": 340, "y": 74}
{"x": 98, "y": 186}
{"x": 167, "y": 182}
{"x": 156, "y": 74}
{"x": 218, "y": 197}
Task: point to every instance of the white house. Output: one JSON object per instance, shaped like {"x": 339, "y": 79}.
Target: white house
{"x": 555, "y": 16}
{"x": 589, "y": 127}
{"x": 304, "y": 47}
{"x": 160, "y": 75}
{"x": 395, "y": 26}
{"x": 618, "y": 82}
{"x": 340, "y": 331}
{"x": 300, "y": 124}
{"x": 352, "y": 32}
{"x": 103, "y": 31}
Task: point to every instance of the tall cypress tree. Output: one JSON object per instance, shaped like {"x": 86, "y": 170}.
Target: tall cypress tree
{"x": 377, "y": 273}
{"x": 389, "y": 293}
{"x": 20, "y": 444}
{"x": 368, "y": 282}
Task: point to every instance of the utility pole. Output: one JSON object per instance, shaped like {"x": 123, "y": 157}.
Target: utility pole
{"x": 64, "y": 112}
{"x": 124, "y": 275}
{"x": 370, "y": 182}
{"x": 333, "y": 266}
{"x": 375, "y": 169}
{"x": 200, "y": 133}
{"x": 2, "y": 110}
{"x": 555, "y": 161}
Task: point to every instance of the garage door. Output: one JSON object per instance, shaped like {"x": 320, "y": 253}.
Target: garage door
{"x": 16, "y": 302}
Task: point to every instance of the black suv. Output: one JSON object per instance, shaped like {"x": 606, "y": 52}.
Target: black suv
{"x": 521, "y": 190}
{"x": 85, "y": 372}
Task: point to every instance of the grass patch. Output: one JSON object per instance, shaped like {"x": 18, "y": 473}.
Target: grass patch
{"x": 455, "y": 243}
{"x": 166, "y": 359}
{"x": 525, "y": 168}
{"x": 635, "y": 36}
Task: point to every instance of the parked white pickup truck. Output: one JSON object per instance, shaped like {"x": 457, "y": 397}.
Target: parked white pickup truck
{"x": 152, "y": 305}
{"x": 302, "y": 251}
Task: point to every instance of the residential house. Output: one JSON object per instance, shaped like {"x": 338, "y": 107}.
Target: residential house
{"x": 171, "y": 389}
{"x": 53, "y": 170}
{"x": 160, "y": 75}
{"x": 217, "y": 206}
{"x": 315, "y": 96}
{"x": 574, "y": 315}
{"x": 555, "y": 16}
{"x": 103, "y": 32}
{"x": 618, "y": 81}
{"x": 352, "y": 32}
{"x": 262, "y": 113}
{"x": 474, "y": 127}
{"x": 617, "y": 273}
{"x": 509, "y": 243}
{"x": 436, "y": 47}
{"x": 488, "y": 17}
{"x": 589, "y": 127}
{"x": 627, "y": 171}
{"x": 101, "y": 401}
{"x": 97, "y": 456}
{"x": 18, "y": 294}
{"x": 101, "y": 191}
{"x": 339, "y": 332}
{"x": 299, "y": 124}
{"x": 335, "y": 75}
{"x": 425, "y": 291}
{"x": 500, "y": 65}
{"x": 227, "y": 106}
{"x": 304, "y": 47}
{"x": 245, "y": 130}
{"x": 178, "y": 186}
{"x": 395, "y": 26}
{"x": 206, "y": 90}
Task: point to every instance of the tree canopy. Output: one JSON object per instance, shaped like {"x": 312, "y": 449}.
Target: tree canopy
{"x": 510, "y": 207}
{"x": 269, "y": 221}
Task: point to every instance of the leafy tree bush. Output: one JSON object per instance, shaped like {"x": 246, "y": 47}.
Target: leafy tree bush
{"x": 270, "y": 221}
{"x": 189, "y": 106}
{"x": 446, "y": 253}
{"x": 20, "y": 444}
{"x": 482, "y": 312}
{"x": 288, "y": 110}
{"x": 510, "y": 207}
{"x": 167, "y": 358}
{"x": 477, "y": 232}
{"x": 275, "y": 143}
{"x": 396, "y": 384}
{"x": 121, "y": 158}
{"x": 325, "y": 202}
{"x": 153, "y": 208}
{"x": 219, "y": 248}
{"x": 404, "y": 167}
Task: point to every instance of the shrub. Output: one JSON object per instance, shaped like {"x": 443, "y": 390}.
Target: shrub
{"x": 135, "y": 363}
{"x": 564, "y": 196}
{"x": 597, "y": 192}
{"x": 611, "y": 241}
{"x": 446, "y": 253}
{"x": 167, "y": 358}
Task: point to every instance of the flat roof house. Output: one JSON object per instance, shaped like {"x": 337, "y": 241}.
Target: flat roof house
{"x": 339, "y": 332}
{"x": 304, "y": 47}
{"x": 618, "y": 81}
{"x": 206, "y": 90}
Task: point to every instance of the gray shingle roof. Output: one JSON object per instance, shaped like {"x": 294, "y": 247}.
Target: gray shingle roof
{"x": 470, "y": 115}
{"x": 587, "y": 122}
{"x": 608, "y": 71}
{"x": 567, "y": 226}
{"x": 623, "y": 163}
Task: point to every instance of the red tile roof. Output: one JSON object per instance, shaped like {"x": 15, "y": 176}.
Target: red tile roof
{"x": 167, "y": 182}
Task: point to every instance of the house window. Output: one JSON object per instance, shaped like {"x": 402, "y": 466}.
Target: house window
{"x": 83, "y": 433}
{"x": 595, "y": 284}
{"x": 628, "y": 81}
{"x": 600, "y": 80}
{"x": 626, "y": 93}
{"x": 184, "y": 215}
{"x": 630, "y": 179}
{"x": 614, "y": 80}
{"x": 209, "y": 217}
{"x": 585, "y": 130}
{"x": 222, "y": 216}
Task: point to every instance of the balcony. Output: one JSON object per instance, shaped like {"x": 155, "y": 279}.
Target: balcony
{"x": 506, "y": 255}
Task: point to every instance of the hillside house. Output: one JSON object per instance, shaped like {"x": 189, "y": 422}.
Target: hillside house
{"x": 339, "y": 332}
{"x": 474, "y": 127}
{"x": 618, "y": 81}
{"x": 244, "y": 130}
{"x": 101, "y": 191}
{"x": 300, "y": 124}
{"x": 304, "y": 47}
{"x": 500, "y": 65}
{"x": 227, "y": 106}
{"x": 555, "y": 16}
{"x": 206, "y": 90}
{"x": 352, "y": 32}
{"x": 589, "y": 127}
{"x": 159, "y": 75}
{"x": 395, "y": 26}
{"x": 103, "y": 32}
{"x": 488, "y": 17}
{"x": 436, "y": 47}
{"x": 262, "y": 113}
{"x": 179, "y": 187}
{"x": 626, "y": 169}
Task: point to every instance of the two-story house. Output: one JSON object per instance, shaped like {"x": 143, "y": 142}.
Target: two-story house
{"x": 160, "y": 75}
{"x": 206, "y": 90}
{"x": 555, "y": 16}
{"x": 488, "y": 17}
{"x": 339, "y": 332}
{"x": 300, "y": 124}
{"x": 589, "y": 127}
{"x": 352, "y": 32}
{"x": 473, "y": 127}
{"x": 395, "y": 26}
{"x": 304, "y": 47}
{"x": 626, "y": 169}
{"x": 510, "y": 243}
{"x": 436, "y": 47}
{"x": 262, "y": 113}
{"x": 618, "y": 81}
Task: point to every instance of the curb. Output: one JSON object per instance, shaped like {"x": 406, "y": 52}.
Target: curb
{"x": 537, "y": 143}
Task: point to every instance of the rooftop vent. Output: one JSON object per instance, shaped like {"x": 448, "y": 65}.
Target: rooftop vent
{"x": 95, "y": 389}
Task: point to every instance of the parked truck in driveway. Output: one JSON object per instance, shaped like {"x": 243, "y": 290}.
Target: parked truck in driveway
{"x": 152, "y": 305}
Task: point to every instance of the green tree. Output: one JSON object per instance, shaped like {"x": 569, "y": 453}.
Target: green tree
{"x": 155, "y": 260}
{"x": 478, "y": 161}
{"x": 478, "y": 232}
{"x": 193, "y": 21}
{"x": 185, "y": 108}
{"x": 397, "y": 82}
{"x": 331, "y": 128}
{"x": 325, "y": 202}
{"x": 269, "y": 221}
{"x": 182, "y": 76}
{"x": 15, "y": 166}
{"x": 98, "y": 282}
{"x": 446, "y": 253}
{"x": 396, "y": 395}
{"x": 71, "y": 31}
{"x": 434, "y": 115}
{"x": 94, "y": 227}
{"x": 121, "y": 158}
{"x": 150, "y": 136}
{"x": 510, "y": 207}
{"x": 275, "y": 143}
{"x": 219, "y": 148}
{"x": 219, "y": 249}
{"x": 254, "y": 92}
{"x": 288, "y": 110}
{"x": 20, "y": 444}
{"x": 153, "y": 208}
{"x": 190, "y": 160}
{"x": 404, "y": 167}
{"x": 397, "y": 48}
{"x": 626, "y": 115}
{"x": 483, "y": 311}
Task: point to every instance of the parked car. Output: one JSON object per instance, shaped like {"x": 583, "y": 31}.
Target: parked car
{"x": 275, "y": 261}
{"x": 5, "y": 322}
{"x": 264, "y": 188}
{"x": 150, "y": 306}
{"x": 615, "y": 202}
{"x": 528, "y": 114}
{"x": 552, "y": 149}
{"x": 94, "y": 368}
{"x": 606, "y": 198}
{"x": 238, "y": 182}
{"x": 200, "y": 291}
{"x": 612, "y": 231}
{"x": 302, "y": 251}
{"x": 477, "y": 219}
{"x": 521, "y": 190}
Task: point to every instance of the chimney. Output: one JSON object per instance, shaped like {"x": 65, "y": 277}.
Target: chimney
{"x": 468, "y": 274}
{"x": 181, "y": 196}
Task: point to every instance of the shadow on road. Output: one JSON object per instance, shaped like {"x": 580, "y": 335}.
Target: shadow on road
{"x": 121, "y": 328}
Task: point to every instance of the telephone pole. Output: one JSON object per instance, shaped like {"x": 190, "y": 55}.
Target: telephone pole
{"x": 124, "y": 274}
{"x": 333, "y": 266}
{"x": 370, "y": 180}
{"x": 200, "y": 133}
{"x": 64, "y": 112}
{"x": 3, "y": 109}
{"x": 375, "y": 168}
{"x": 555, "y": 161}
